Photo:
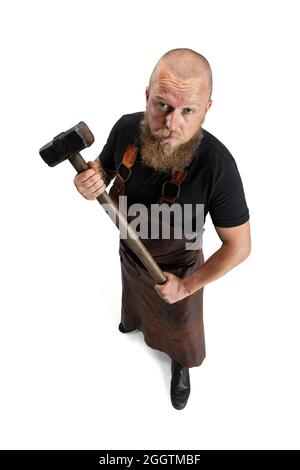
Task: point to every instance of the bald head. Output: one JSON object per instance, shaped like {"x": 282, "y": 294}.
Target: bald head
{"x": 184, "y": 66}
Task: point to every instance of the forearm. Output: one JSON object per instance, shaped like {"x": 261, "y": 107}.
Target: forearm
{"x": 222, "y": 261}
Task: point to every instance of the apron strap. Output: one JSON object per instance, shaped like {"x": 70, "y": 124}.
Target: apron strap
{"x": 124, "y": 171}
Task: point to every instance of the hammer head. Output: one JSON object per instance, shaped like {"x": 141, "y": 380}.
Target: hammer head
{"x": 67, "y": 143}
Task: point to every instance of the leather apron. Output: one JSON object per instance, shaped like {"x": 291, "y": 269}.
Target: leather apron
{"x": 176, "y": 329}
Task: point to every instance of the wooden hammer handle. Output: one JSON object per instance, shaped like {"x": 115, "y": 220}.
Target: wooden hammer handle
{"x": 132, "y": 238}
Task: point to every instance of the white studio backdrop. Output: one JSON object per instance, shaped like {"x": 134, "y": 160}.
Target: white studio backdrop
{"x": 69, "y": 379}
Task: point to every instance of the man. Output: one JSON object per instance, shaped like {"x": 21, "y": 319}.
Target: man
{"x": 161, "y": 156}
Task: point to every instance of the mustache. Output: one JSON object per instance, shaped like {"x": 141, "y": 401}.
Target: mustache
{"x": 164, "y": 132}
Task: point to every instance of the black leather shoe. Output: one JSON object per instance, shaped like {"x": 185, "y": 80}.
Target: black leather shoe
{"x": 122, "y": 329}
{"x": 180, "y": 385}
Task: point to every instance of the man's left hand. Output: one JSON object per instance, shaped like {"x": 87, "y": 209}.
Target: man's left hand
{"x": 172, "y": 290}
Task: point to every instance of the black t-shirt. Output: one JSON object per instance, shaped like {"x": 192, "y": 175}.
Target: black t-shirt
{"x": 213, "y": 178}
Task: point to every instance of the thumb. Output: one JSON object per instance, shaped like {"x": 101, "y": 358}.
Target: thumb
{"x": 95, "y": 165}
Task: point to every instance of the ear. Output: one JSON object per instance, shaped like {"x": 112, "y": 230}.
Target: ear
{"x": 206, "y": 109}
{"x": 208, "y": 106}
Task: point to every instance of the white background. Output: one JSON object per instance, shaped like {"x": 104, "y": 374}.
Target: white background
{"x": 69, "y": 379}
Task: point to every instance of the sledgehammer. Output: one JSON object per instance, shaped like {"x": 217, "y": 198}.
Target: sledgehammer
{"x": 66, "y": 146}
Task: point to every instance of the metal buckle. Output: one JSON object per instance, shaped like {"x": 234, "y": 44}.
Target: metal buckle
{"x": 172, "y": 188}
{"x": 124, "y": 172}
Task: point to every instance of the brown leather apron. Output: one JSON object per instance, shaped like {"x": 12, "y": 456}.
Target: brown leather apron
{"x": 176, "y": 329}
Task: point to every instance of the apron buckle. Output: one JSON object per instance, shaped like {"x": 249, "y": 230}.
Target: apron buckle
{"x": 124, "y": 172}
{"x": 170, "y": 190}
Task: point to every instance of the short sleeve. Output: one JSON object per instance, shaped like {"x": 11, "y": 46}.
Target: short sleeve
{"x": 107, "y": 156}
{"x": 227, "y": 206}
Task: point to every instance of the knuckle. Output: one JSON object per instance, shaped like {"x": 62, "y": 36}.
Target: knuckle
{"x": 98, "y": 186}
{"x": 94, "y": 179}
{"x": 87, "y": 174}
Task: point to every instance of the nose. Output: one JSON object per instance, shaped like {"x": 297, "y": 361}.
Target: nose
{"x": 172, "y": 120}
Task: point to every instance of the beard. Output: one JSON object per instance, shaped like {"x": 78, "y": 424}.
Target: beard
{"x": 159, "y": 156}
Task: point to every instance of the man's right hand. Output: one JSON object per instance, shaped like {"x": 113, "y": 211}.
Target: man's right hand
{"x": 89, "y": 183}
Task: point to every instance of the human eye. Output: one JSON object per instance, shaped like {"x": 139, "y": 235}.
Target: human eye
{"x": 188, "y": 110}
{"x": 163, "y": 105}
